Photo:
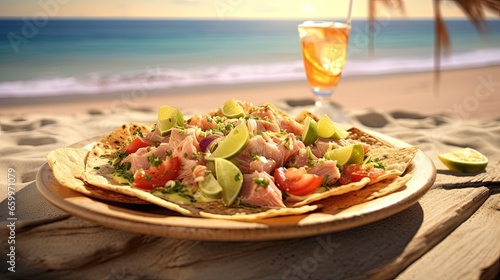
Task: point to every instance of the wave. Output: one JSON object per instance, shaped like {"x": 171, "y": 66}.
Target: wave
{"x": 165, "y": 78}
{"x": 478, "y": 58}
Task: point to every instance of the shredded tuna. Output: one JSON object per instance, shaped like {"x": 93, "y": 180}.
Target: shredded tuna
{"x": 263, "y": 126}
{"x": 302, "y": 158}
{"x": 327, "y": 169}
{"x": 204, "y": 122}
{"x": 140, "y": 160}
{"x": 273, "y": 115}
{"x": 277, "y": 149}
{"x": 156, "y": 137}
{"x": 178, "y": 135}
{"x": 256, "y": 125}
{"x": 186, "y": 175}
{"x": 259, "y": 194}
{"x": 136, "y": 162}
{"x": 262, "y": 164}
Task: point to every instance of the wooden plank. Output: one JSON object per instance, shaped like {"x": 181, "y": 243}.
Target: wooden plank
{"x": 472, "y": 251}
{"x": 74, "y": 248}
{"x": 450, "y": 179}
{"x": 437, "y": 226}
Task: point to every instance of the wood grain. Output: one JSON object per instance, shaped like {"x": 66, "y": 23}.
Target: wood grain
{"x": 50, "y": 244}
{"x": 436, "y": 227}
{"x": 475, "y": 243}
{"x": 75, "y": 248}
{"x": 489, "y": 177}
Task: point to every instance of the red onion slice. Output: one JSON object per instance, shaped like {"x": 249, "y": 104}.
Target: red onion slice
{"x": 208, "y": 143}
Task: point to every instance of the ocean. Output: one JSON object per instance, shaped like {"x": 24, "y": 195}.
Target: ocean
{"x": 90, "y": 56}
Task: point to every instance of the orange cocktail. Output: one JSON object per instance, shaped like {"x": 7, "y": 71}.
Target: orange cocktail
{"x": 324, "y": 48}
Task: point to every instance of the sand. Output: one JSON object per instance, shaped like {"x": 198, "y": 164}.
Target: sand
{"x": 463, "y": 114}
{"x": 464, "y": 94}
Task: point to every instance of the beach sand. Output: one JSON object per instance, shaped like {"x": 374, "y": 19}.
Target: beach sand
{"x": 466, "y": 93}
{"x": 463, "y": 114}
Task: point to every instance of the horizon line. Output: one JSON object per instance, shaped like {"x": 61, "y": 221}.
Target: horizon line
{"x": 220, "y": 19}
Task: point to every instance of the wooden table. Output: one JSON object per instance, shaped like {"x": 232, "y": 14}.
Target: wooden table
{"x": 453, "y": 232}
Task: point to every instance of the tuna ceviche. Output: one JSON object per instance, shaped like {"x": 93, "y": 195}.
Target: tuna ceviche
{"x": 242, "y": 155}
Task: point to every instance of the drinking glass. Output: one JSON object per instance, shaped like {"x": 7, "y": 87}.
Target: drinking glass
{"x": 324, "y": 50}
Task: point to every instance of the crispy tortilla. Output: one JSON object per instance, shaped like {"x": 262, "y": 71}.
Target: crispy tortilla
{"x": 99, "y": 173}
{"x": 396, "y": 161}
{"x": 211, "y": 209}
{"x": 116, "y": 138}
{"x": 89, "y": 172}
{"x": 336, "y": 204}
{"x": 218, "y": 211}
{"x": 67, "y": 165}
{"x": 340, "y": 190}
{"x": 359, "y": 135}
{"x": 97, "y": 170}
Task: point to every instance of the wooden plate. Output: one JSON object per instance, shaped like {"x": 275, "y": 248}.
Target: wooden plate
{"x": 340, "y": 212}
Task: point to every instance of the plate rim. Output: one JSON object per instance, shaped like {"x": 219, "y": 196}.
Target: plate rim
{"x": 253, "y": 232}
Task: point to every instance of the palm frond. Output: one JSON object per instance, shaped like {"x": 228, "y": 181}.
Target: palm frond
{"x": 475, "y": 10}
{"x": 372, "y": 14}
{"x": 441, "y": 43}
{"x": 393, "y": 4}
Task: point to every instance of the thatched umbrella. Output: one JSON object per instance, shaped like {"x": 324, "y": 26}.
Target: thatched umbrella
{"x": 473, "y": 9}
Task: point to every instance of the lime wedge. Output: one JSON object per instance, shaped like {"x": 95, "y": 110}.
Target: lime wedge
{"x": 210, "y": 187}
{"x": 354, "y": 153}
{"x": 310, "y": 134}
{"x": 168, "y": 118}
{"x": 230, "y": 179}
{"x": 232, "y": 109}
{"x": 465, "y": 160}
{"x": 234, "y": 142}
{"x": 327, "y": 129}
{"x": 340, "y": 133}
{"x": 309, "y": 153}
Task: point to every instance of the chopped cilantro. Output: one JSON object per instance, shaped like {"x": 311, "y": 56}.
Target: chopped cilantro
{"x": 117, "y": 158}
{"x": 258, "y": 157}
{"x": 325, "y": 179}
{"x": 251, "y": 206}
{"x": 176, "y": 187}
{"x": 237, "y": 177}
{"x": 138, "y": 132}
{"x": 125, "y": 173}
{"x": 284, "y": 195}
{"x": 121, "y": 169}
{"x": 154, "y": 160}
{"x": 261, "y": 182}
{"x": 375, "y": 162}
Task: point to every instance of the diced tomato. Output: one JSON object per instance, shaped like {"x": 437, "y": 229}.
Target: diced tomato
{"x": 356, "y": 172}
{"x": 157, "y": 176}
{"x": 296, "y": 181}
{"x": 135, "y": 145}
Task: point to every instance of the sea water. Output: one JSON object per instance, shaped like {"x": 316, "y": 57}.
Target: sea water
{"x": 89, "y": 56}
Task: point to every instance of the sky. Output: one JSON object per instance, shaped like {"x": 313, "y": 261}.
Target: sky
{"x": 222, "y": 9}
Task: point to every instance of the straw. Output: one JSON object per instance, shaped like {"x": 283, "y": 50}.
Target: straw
{"x": 349, "y": 13}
